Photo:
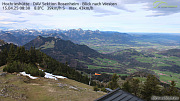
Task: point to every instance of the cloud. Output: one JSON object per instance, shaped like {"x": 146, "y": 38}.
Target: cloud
{"x": 10, "y": 21}
{"x": 158, "y": 11}
{"x": 123, "y": 6}
{"x": 100, "y": 12}
{"x": 6, "y": 22}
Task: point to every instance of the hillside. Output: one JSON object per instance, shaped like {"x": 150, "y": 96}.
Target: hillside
{"x": 64, "y": 50}
{"x": 15, "y": 87}
{"x": 19, "y": 60}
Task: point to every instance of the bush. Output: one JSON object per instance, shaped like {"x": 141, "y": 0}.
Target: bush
{"x": 103, "y": 89}
{"x": 96, "y": 88}
{"x": 41, "y": 73}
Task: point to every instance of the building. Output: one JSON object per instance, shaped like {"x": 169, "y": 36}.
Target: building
{"x": 118, "y": 95}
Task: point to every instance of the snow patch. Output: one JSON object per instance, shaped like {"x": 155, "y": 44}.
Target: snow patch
{"x": 60, "y": 77}
{"x": 47, "y": 75}
{"x": 24, "y": 74}
{"x": 51, "y": 76}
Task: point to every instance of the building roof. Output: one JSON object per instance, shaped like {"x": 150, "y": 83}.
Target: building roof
{"x": 118, "y": 95}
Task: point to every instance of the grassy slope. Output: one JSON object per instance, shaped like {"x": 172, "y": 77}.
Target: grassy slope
{"x": 48, "y": 45}
{"x": 103, "y": 63}
{"x": 43, "y": 89}
{"x": 168, "y": 76}
{"x": 158, "y": 60}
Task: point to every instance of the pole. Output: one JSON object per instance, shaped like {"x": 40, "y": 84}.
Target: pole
{"x": 90, "y": 80}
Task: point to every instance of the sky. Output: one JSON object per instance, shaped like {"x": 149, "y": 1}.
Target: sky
{"x": 150, "y": 16}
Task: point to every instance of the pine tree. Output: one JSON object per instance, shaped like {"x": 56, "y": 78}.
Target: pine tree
{"x": 113, "y": 83}
{"x": 17, "y": 54}
{"x": 135, "y": 86}
{"x": 172, "y": 90}
{"x": 150, "y": 87}
{"x": 23, "y": 56}
{"x": 39, "y": 56}
{"x": 126, "y": 86}
{"x": 32, "y": 55}
{"x": 11, "y": 54}
{"x": 3, "y": 57}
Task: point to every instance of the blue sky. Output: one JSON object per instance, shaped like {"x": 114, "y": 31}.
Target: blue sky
{"x": 127, "y": 16}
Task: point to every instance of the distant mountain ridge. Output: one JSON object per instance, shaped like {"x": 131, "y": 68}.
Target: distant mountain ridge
{"x": 80, "y": 35}
{"x": 21, "y": 37}
{"x": 10, "y": 38}
{"x": 101, "y": 41}
{"x": 20, "y": 40}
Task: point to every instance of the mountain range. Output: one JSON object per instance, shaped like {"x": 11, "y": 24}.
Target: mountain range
{"x": 102, "y": 41}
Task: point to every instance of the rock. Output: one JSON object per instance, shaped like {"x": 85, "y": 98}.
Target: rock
{"x": 27, "y": 80}
{"x": 14, "y": 73}
{"x": 71, "y": 87}
{"x": 4, "y": 90}
{"x": 1, "y": 94}
{"x": 5, "y": 82}
{"x": 18, "y": 74}
{"x": 3, "y": 74}
{"x": 62, "y": 85}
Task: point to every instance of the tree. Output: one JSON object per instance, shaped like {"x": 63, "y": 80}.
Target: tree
{"x": 23, "y": 55}
{"x": 17, "y": 53}
{"x": 126, "y": 86}
{"x": 150, "y": 87}
{"x": 172, "y": 90}
{"x": 11, "y": 54}
{"x": 32, "y": 55}
{"x": 96, "y": 88}
{"x": 113, "y": 83}
{"x": 135, "y": 86}
{"x": 3, "y": 57}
